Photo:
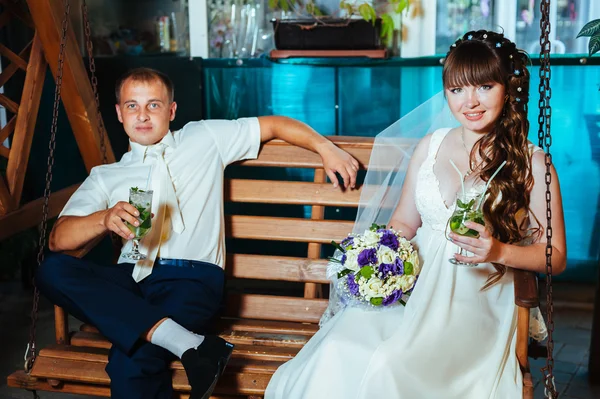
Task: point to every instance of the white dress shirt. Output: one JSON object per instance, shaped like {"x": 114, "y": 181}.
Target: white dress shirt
{"x": 196, "y": 157}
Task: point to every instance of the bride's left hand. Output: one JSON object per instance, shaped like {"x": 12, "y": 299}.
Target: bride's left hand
{"x": 484, "y": 249}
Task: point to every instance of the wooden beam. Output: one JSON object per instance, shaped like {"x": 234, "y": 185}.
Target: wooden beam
{"x": 77, "y": 94}
{"x": 4, "y": 18}
{"x": 30, "y": 214}
{"x": 26, "y": 118}
{"x": 8, "y": 129}
{"x": 19, "y": 12}
{"x": 6, "y": 202}
{"x": 9, "y": 104}
{"x": 15, "y": 59}
{"x": 10, "y": 69}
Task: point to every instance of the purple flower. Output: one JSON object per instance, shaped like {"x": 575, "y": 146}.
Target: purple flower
{"x": 389, "y": 240}
{"x": 367, "y": 257}
{"x": 352, "y": 284}
{"x": 343, "y": 260}
{"x": 392, "y": 298}
{"x": 347, "y": 242}
{"x": 395, "y": 268}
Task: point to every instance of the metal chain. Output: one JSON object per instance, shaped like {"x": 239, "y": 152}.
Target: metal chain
{"x": 545, "y": 141}
{"x": 30, "y": 353}
{"x": 92, "y": 67}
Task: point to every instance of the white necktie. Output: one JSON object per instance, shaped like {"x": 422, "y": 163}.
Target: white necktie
{"x": 164, "y": 201}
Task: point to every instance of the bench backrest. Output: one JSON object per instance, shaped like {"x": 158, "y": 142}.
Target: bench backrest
{"x": 308, "y": 269}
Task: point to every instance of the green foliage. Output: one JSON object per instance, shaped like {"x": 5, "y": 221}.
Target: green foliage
{"x": 375, "y": 227}
{"x": 364, "y": 9}
{"x": 366, "y": 272}
{"x": 376, "y": 301}
{"x": 592, "y": 30}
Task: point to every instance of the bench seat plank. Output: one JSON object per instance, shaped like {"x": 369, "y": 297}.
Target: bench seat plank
{"x": 286, "y": 229}
{"x": 86, "y": 365}
{"x": 286, "y": 192}
{"x": 283, "y": 268}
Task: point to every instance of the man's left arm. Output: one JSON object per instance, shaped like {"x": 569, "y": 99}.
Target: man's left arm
{"x": 335, "y": 160}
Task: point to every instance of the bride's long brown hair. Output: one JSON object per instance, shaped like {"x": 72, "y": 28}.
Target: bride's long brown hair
{"x": 481, "y": 57}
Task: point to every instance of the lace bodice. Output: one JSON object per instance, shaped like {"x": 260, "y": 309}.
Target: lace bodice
{"x": 428, "y": 198}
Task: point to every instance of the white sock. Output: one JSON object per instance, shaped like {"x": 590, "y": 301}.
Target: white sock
{"x": 175, "y": 338}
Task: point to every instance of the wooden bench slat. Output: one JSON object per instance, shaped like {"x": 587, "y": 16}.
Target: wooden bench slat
{"x": 97, "y": 343}
{"x": 265, "y": 326}
{"x": 270, "y": 307}
{"x": 268, "y": 326}
{"x": 287, "y": 229}
{"x": 283, "y": 268}
{"x": 296, "y": 157}
{"x": 285, "y": 192}
{"x": 21, "y": 380}
{"x": 243, "y": 375}
{"x": 93, "y": 347}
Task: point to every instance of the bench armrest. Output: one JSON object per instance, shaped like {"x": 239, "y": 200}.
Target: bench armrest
{"x": 526, "y": 290}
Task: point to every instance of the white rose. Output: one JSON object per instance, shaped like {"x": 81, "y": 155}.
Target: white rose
{"x": 386, "y": 255}
{"x": 372, "y": 289}
{"x": 407, "y": 282}
{"x": 414, "y": 259}
{"x": 352, "y": 260}
{"x": 370, "y": 238}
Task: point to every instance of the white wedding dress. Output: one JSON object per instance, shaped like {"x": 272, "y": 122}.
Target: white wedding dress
{"x": 452, "y": 340}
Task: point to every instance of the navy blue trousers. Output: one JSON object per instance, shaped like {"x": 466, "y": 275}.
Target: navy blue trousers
{"x": 123, "y": 310}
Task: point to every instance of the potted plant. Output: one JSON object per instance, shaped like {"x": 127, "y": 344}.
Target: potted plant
{"x": 592, "y": 30}
{"x": 355, "y": 25}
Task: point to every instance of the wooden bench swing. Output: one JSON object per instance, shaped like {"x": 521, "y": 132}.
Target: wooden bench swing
{"x": 268, "y": 328}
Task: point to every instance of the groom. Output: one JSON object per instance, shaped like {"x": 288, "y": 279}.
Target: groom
{"x": 159, "y": 309}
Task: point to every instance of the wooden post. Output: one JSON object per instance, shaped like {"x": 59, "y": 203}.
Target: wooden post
{"x": 61, "y": 325}
{"x": 77, "y": 93}
{"x": 313, "y": 290}
{"x": 25, "y": 122}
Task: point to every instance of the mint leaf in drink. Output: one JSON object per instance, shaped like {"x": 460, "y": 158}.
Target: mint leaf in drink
{"x": 136, "y": 190}
{"x": 146, "y": 224}
{"x": 460, "y": 203}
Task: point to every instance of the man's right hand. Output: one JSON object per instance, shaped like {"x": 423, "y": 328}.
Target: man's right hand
{"x": 115, "y": 218}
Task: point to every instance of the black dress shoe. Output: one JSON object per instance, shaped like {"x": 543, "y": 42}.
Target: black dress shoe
{"x": 205, "y": 364}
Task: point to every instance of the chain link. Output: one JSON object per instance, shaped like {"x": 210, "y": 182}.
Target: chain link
{"x": 92, "y": 66}
{"x": 545, "y": 141}
{"x": 30, "y": 353}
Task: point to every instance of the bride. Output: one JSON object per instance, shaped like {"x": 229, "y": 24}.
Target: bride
{"x": 456, "y": 336}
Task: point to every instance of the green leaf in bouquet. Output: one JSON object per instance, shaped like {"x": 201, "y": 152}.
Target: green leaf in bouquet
{"x": 408, "y": 268}
{"x": 344, "y": 273}
{"x": 338, "y": 246}
{"x": 402, "y": 302}
{"x": 376, "y": 301}
{"x": 375, "y": 227}
{"x": 366, "y": 272}
{"x": 334, "y": 260}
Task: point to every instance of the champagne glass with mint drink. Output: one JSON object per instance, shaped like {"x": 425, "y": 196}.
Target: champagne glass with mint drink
{"x": 465, "y": 210}
{"x": 142, "y": 201}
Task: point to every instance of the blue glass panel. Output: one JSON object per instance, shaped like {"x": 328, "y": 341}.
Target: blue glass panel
{"x": 371, "y": 96}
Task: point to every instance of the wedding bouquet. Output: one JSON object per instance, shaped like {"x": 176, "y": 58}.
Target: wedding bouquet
{"x": 376, "y": 268}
